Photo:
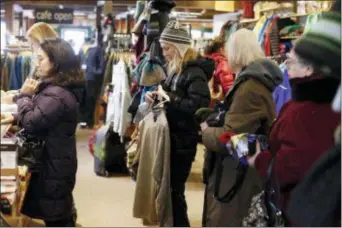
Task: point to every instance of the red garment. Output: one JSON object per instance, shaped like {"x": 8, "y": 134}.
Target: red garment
{"x": 223, "y": 74}
{"x": 302, "y": 133}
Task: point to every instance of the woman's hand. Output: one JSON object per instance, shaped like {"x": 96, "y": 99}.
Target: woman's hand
{"x": 204, "y": 126}
{"x": 7, "y": 118}
{"x": 251, "y": 160}
{"x": 30, "y": 86}
{"x": 8, "y": 99}
{"x": 149, "y": 96}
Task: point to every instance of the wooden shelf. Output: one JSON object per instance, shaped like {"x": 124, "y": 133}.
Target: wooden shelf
{"x": 289, "y": 37}
{"x": 248, "y": 20}
{"x": 254, "y": 20}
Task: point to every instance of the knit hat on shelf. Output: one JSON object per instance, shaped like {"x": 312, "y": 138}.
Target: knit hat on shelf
{"x": 321, "y": 44}
{"x": 152, "y": 73}
{"x": 177, "y": 35}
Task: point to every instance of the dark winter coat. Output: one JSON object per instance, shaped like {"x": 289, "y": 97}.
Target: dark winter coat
{"x": 251, "y": 109}
{"x": 302, "y": 133}
{"x": 321, "y": 207}
{"x": 95, "y": 64}
{"x": 52, "y": 114}
{"x": 188, "y": 92}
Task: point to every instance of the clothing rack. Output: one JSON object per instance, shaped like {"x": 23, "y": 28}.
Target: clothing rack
{"x": 16, "y": 49}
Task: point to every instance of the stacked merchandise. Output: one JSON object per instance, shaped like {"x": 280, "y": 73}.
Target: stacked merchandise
{"x": 9, "y": 176}
{"x": 275, "y": 34}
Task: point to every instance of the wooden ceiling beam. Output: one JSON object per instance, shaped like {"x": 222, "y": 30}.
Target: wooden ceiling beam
{"x": 57, "y": 2}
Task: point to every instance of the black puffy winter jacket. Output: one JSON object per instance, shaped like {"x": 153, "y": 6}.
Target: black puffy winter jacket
{"x": 188, "y": 91}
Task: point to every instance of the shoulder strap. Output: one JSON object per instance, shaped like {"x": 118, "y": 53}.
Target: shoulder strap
{"x": 240, "y": 177}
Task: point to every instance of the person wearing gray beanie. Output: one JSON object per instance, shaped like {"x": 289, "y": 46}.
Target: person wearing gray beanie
{"x": 177, "y": 35}
{"x": 186, "y": 85}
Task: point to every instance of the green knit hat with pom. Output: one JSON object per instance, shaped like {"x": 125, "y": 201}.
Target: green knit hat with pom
{"x": 321, "y": 44}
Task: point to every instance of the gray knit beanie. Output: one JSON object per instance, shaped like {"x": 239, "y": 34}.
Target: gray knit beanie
{"x": 177, "y": 35}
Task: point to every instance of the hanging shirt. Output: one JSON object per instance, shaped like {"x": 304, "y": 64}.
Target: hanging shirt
{"x": 152, "y": 200}
{"x": 121, "y": 99}
{"x": 282, "y": 92}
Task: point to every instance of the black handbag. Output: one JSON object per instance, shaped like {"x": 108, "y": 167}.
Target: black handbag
{"x": 264, "y": 210}
{"x": 30, "y": 150}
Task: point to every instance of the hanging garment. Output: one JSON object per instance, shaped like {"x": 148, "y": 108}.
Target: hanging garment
{"x": 138, "y": 69}
{"x": 283, "y": 92}
{"x": 121, "y": 99}
{"x": 152, "y": 73}
{"x": 259, "y": 25}
{"x": 152, "y": 200}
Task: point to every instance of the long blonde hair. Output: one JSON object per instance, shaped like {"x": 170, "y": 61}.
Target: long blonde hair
{"x": 177, "y": 64}
{"x": 41, "y": 31}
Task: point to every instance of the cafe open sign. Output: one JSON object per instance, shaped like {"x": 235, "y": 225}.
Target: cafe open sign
{"x": 54, "y": 16}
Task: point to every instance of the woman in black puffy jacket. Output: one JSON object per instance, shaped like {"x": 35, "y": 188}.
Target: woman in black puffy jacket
{"x": 187, "y": 87}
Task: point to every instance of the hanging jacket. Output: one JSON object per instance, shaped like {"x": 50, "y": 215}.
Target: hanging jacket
{"x": 152, "y": 199}
{"x": 282, "y": 93}
{"x": 15, "y": 79}
{"x": 250, "y": 110}
{"x": 223, "y": 74}
{"x": 95, "y": 64}
{"x": 121, "y": 99}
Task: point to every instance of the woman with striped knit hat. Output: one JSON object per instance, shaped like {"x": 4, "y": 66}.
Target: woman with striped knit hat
{"x": 187, "y": 87}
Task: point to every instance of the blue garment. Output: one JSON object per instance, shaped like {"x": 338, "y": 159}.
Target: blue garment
{"x": 15, "y": 78}
{"x": 147, "y": 89}
{"x": 261, "y": 35}
{"x": 95, "y": 64}
{"x": 19, "y": 71}
{"x": 283, "y": 92}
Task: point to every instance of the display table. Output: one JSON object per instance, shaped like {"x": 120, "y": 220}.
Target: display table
{"x": 14, "y": 182}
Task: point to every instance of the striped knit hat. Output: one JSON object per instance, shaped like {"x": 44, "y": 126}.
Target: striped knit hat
{"x": 177, "y": 35}
{"x": 321, "y": 44}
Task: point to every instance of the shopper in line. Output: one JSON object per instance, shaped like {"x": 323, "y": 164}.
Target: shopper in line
{"x": 48, "y": 109}
{"x": 250, "y": 109}
{"x": 223, "y": 76}
{"x": 305, "y": 127}
{"x": 36, "y": 34}
{"x": 187, "y": 87}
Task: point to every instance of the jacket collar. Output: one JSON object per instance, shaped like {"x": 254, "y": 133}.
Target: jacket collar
{"x": 315, "y": 88}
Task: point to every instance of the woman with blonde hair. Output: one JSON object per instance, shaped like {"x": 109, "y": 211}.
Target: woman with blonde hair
{"x": 250, "y": 109}
{"x": 187, "y": 87}
{"x": 36, "y": 34}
